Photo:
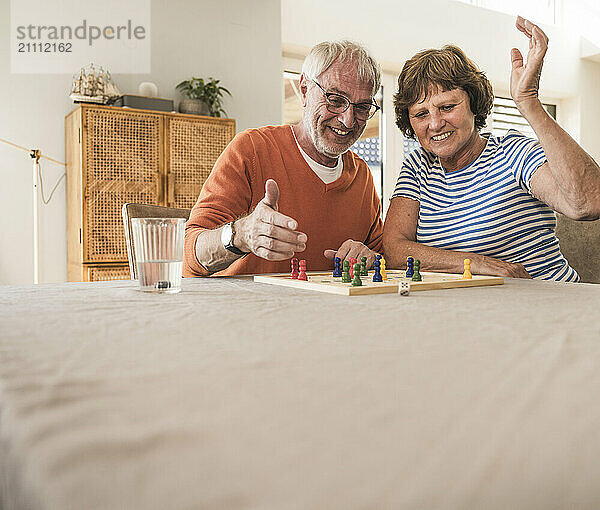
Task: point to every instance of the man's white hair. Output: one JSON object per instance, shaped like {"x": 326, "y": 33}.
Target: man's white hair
{"x": 326, "y": 53}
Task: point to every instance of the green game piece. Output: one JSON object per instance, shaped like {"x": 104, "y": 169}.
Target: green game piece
{"x": 416, "y": 277}
{"x": 363, "y": 266}
{"x": 356, "y": 282}
{"x": 346, "y": 273}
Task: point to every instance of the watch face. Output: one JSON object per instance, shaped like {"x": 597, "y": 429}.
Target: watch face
{"x": 226, "y": 235}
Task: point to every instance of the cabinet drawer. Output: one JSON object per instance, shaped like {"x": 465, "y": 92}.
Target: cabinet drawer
{"x": 106, "y": 272}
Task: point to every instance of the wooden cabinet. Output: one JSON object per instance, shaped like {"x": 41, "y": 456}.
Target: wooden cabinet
{"x": 117, "y": 155}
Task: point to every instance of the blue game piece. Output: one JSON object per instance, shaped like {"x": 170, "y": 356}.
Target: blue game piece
{"x": 337, "y": 269}
{"x": 377, "y": 275}
{"x": 410, "y": 270}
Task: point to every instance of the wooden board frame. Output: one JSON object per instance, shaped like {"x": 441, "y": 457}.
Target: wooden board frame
{"x": 324, "y": 282}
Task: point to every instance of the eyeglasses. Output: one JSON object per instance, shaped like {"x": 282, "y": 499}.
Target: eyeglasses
{"x": 339, "y": 104}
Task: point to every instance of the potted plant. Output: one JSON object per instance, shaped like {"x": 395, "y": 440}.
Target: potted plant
{"x": 202, "y": 97}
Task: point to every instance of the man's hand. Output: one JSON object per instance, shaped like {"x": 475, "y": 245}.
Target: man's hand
{"x": 352, "y": 249}
{"x": 525, "y": 78}
{"x": 266, "y": 232}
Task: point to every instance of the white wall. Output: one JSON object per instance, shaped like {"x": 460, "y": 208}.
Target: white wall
{"x": 394, "y": 30}
{"x": 236, "y": 41}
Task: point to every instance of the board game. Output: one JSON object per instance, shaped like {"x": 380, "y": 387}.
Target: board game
{"x": 395, "y": 283}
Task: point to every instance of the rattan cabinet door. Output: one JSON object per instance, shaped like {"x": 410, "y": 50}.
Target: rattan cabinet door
{"x": 193, "y": 145}
{"x": 122, "y": 155}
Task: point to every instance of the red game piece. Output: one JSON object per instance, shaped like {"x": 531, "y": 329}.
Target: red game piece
{"x": 352, "y": 262}
{"x": 294, "y": 273}
{"x": 302, "y": 275}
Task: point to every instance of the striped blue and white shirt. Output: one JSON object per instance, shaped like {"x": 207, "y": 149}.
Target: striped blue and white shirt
{"x": 487, "y": 207}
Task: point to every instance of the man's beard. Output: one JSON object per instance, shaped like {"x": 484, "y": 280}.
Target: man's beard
{"x": 319, "y": 142}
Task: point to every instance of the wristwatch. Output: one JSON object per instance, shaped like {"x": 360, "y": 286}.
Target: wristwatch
{"x": 227, "y": 237}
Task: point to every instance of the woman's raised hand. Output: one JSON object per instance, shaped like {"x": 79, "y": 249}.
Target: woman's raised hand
{"x": 525, "y": 77}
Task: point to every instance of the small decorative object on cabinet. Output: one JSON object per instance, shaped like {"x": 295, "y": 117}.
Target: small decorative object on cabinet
{"x": 202, "y": 97}
{"x": 93, "y": 86}
{"x": 115, "y": 156}
{"x": 145, "y": 103}
{"x": 148, "y": 89}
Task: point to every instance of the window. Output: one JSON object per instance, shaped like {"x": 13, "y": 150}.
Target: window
{"x": 409, "y": 145}
{"x": 369, "y": 149}
{"x": 505, "y": 116}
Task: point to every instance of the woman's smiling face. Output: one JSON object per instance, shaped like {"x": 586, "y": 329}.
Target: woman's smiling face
{"x": 445, "y": 125}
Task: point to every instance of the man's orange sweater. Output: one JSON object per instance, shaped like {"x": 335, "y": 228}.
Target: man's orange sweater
{"x": 328, "y": 214}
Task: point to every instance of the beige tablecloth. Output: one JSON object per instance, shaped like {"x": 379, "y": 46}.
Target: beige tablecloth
{"x": 235, "y": 394}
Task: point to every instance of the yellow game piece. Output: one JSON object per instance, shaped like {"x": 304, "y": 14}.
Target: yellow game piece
{"x": 383, "y": 275}
{"x": 467, "y": 274}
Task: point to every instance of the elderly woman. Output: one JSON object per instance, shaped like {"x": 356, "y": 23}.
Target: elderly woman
{"x": 464, "y": 194}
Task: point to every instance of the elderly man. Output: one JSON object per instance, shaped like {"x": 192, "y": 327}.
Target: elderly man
{"x": 278, "y": 191}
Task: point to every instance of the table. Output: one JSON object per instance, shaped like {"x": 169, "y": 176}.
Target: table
{"x": 235, "y": 394}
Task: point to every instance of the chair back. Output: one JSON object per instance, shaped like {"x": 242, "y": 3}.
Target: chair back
{"x": 145, "y": 211}
{"x": 580, "y": 244}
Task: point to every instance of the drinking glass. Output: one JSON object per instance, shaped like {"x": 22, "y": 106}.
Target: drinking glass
{"x": 158, "y": 250}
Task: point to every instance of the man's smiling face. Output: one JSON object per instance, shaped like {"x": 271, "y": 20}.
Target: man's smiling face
{"x": 334, "y": 133}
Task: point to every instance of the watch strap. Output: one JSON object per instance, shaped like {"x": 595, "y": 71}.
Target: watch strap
{"x": 230, "y": 246}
